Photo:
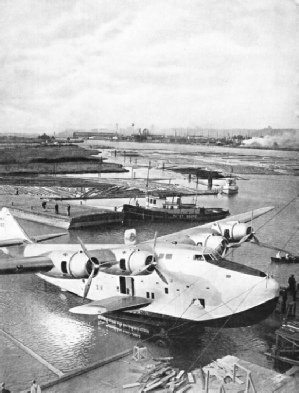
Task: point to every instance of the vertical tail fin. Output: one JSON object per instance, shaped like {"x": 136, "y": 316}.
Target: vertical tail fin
{"x": 10, "y": 229}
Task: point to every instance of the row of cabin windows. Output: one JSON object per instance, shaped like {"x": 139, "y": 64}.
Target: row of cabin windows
{"x": 167, "y": 256}
{"x": 197, "y": 257}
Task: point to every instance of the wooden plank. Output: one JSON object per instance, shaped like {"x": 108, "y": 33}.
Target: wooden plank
{"x": 283, "y": 358}
{"x": 184, "y": 389}
{"x": 131, "y": 385}
{"x": 190, "y": 378}
{"x": 32, "y": 353}
{"x": 163, "y": 359}
{"x": 151, "y": 387}
{"x": 180, "y": 374}
{"x": 292, "y": 371}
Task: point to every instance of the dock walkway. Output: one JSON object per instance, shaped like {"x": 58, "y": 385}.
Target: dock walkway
{"x": 30, "y": 208}
{"x": 122, "y": 372}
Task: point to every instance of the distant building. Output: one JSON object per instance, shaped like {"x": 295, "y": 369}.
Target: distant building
{"x": 94, "y": 134}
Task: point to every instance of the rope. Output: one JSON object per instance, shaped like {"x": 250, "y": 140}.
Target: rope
{"x": 279, "y": 211}
{"x": 219, "y": 330}
{"x": 265, "y": 245}
{"x": 291, "y": 238}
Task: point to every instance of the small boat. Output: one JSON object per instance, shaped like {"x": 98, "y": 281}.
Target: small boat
{"x": 230, "y": 186}
{"x": 290, "y": 259}
{"x": 157, "y": 207}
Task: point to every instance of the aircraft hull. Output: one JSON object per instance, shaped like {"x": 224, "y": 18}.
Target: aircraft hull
{"x": 143, "y": 325}
{"x": 245, "y": 318}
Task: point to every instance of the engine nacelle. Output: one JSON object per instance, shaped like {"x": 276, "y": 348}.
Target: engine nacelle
{"x": 119, "y": 261}
{"x": 78, "y": 265}
{"x": 208, "y": 240}
{"x": 138, "y": 262}
{"x": 232, "y": 230}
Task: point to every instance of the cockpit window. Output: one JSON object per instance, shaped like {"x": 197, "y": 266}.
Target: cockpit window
{"x": 208, "y": 257}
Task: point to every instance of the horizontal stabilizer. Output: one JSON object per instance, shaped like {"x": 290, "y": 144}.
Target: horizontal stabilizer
{"x": 26, "y": 265}
{"x": 42, "y": 238}
{"x": 114, "y": 303}
{"x": 12, "y": 242}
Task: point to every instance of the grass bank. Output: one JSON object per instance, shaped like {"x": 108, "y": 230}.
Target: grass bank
{"x": 54, "y": 159}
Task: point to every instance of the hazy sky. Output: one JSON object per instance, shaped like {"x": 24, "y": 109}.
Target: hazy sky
{"x": 89, "y": 64}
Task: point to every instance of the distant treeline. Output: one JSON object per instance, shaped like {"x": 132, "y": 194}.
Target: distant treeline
{"x": 63, "y": 159}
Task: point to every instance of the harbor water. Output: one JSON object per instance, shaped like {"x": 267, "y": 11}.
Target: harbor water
{"x": 37, "y": 313}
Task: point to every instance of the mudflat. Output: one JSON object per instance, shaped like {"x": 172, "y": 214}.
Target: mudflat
{"x": 52, "y": 159}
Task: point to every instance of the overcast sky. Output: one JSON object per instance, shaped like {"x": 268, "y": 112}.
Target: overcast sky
{"x": 89, "y": 64}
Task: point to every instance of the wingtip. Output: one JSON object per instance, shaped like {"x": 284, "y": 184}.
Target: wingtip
{"x": 84, "y": 310}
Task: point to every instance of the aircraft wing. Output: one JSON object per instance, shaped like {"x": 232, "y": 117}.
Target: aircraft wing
{"x": 243, "y": 217}
{"x": 26, "y": 265}
{"x": 114, "y": 303}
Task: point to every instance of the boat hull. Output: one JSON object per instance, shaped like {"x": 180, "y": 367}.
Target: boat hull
{"x": 230, "y": 190}
{"x": 294, "y": 259}
{"x": 143, "y": 324}
{"x": 196, "y": 214}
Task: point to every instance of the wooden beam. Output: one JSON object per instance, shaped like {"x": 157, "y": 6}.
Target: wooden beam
{"x": 283, "y": 359}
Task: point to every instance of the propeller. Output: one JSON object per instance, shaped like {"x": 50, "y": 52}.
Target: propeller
{"x": 249, "y": 237}
{"x": 152, "y": 265}
{"x": 252, "y": 236}
{"x": 149, "y": 267}
{"x": 94, "y": 267}
{"x": 162, "y": 277}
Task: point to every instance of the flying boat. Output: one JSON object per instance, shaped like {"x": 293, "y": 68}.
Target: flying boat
{"x": 180, "y": 280}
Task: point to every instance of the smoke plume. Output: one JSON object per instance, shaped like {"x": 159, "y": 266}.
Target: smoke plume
{"x": 285, "y": 140}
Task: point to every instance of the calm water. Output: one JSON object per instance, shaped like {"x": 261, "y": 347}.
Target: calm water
{"x": 36, "y": 313}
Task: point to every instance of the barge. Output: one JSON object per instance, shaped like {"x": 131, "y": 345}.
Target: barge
{"x": 157, "y": 207}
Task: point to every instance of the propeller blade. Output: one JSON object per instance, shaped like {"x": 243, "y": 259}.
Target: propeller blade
{"x": 255, "y": 240}
{"x": 236, "y": 245}
{"x": 86, "y": 252}
{"x": 88, "y": 284}
{"x": 108, "y": 263}
{"x": 161, "y": 275}
{"x": 155, "y": 240}
{"x": 140, "y": 272}
{"x": 218, "y": 228}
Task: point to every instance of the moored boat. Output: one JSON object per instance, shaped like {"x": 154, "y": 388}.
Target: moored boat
{"x": 230, "y": 186}
{"x": 290, "y": 259}
{"x": 157, "y": 207}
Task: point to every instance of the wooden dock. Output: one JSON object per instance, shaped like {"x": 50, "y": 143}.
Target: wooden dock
{"x": 126, "y": 373}
{"x": 30, "y": 208}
